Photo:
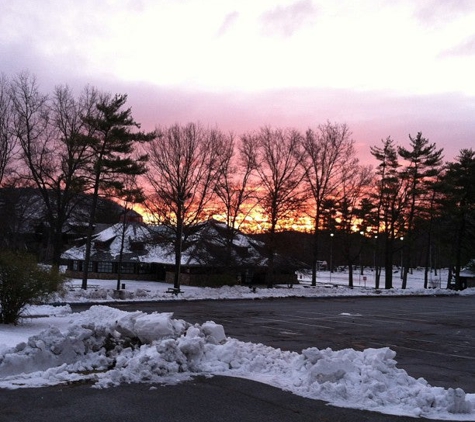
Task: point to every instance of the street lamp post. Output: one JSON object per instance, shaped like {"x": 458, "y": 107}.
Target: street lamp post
{"x": 361, "y": 252}
{"x": 331, "y": 255}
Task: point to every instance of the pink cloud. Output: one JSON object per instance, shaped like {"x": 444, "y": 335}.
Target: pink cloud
{"x": 466, "y": 48}
{"x": 445, "y": 119}
{"x": 434, "y": 12}
{"x": 285, "y": 21}
{"x": 229, "y": 20}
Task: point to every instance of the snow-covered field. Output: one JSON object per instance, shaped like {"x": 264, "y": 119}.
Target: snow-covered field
{"x": 110, "y": 347}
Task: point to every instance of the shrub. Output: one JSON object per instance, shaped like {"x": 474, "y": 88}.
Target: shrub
{"x": 22, "y": 282}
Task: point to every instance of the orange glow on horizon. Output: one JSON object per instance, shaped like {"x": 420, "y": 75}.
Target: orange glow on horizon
{"x": 255, "y": 221}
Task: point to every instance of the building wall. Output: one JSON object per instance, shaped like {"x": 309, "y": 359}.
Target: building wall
{"x": 218, "y": 278}
{"x": 112, "y": 276}
{"x": 470, "y": 281}
{"x": 136, "y": 271}
{"x": 185, "y": 278}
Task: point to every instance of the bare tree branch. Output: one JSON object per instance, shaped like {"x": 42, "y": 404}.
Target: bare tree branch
{"x": 329, "y": 153}
{"x": 279, "y": 171}
{"x": 184, "y": 164}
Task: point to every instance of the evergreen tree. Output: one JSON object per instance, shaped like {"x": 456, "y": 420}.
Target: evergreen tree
{"x": 423, "y": 164}
{"x": 458, "y": 203}
{"x": 390, "y": 198}
{"x": 113, "y": 138}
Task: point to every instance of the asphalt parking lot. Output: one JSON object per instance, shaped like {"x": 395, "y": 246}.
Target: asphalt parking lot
{"x": 434, "y": 337}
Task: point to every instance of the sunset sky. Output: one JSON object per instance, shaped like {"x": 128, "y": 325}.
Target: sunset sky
{"x": 386, "y": 68}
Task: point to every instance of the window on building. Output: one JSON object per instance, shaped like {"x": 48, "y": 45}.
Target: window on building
{"x": 144, "y": 268}
{"x": 76, "y": 265}
{"x": 104, "y": 267}
{"x": 127, "y": 268}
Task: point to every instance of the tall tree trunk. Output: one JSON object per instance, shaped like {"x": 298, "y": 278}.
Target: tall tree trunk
{"x": 428, "y": 260}
{"x": 377, "y": 267}
{"x": 388, "y": 264}
{"x": 90, "y": 232}
{"x": 406, "y": 251}
{"x": 121, "y": 252}
{"x": 377, "y": 279}
{"x": 449, "y": 276}
{"x": 315, "y": 257}
{"x": 350, "y": 274}
{"x": 57, "y": 243}
{"x": 178, "y": 252}
{"x": 458, "y": 253}
{"x": 270, "y": 277}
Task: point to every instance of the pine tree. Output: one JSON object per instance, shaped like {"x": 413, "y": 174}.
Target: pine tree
{"x": 423, "y": 163}
{"x": 113, "y": 138}
{"x": 390, "y": 199}
{"x": 458, "y": 187}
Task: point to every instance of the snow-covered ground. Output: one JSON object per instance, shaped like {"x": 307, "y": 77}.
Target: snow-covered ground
{"x": 110, "y": 347}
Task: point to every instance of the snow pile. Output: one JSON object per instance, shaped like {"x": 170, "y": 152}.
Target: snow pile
{"x": 328, "y": 285}
{"x": 370, "y": 380}
{"x": 110, "y": 347}
{"x": 105, "y": 291}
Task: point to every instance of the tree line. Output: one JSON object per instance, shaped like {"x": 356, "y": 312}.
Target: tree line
{"x": 65, "y": 145}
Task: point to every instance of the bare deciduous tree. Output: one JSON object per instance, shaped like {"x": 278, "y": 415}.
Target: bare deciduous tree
{"x": 233, "y": 186}
{"x": 7, "y": 141}
{"x": 31, "y": 125}
{"x": 278, "y": 166}
{"x": 329, "y": 153}
{"x": 350, "y": 205}
{"x": 51, "y": 134}
{"x": 183, "y": 166}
